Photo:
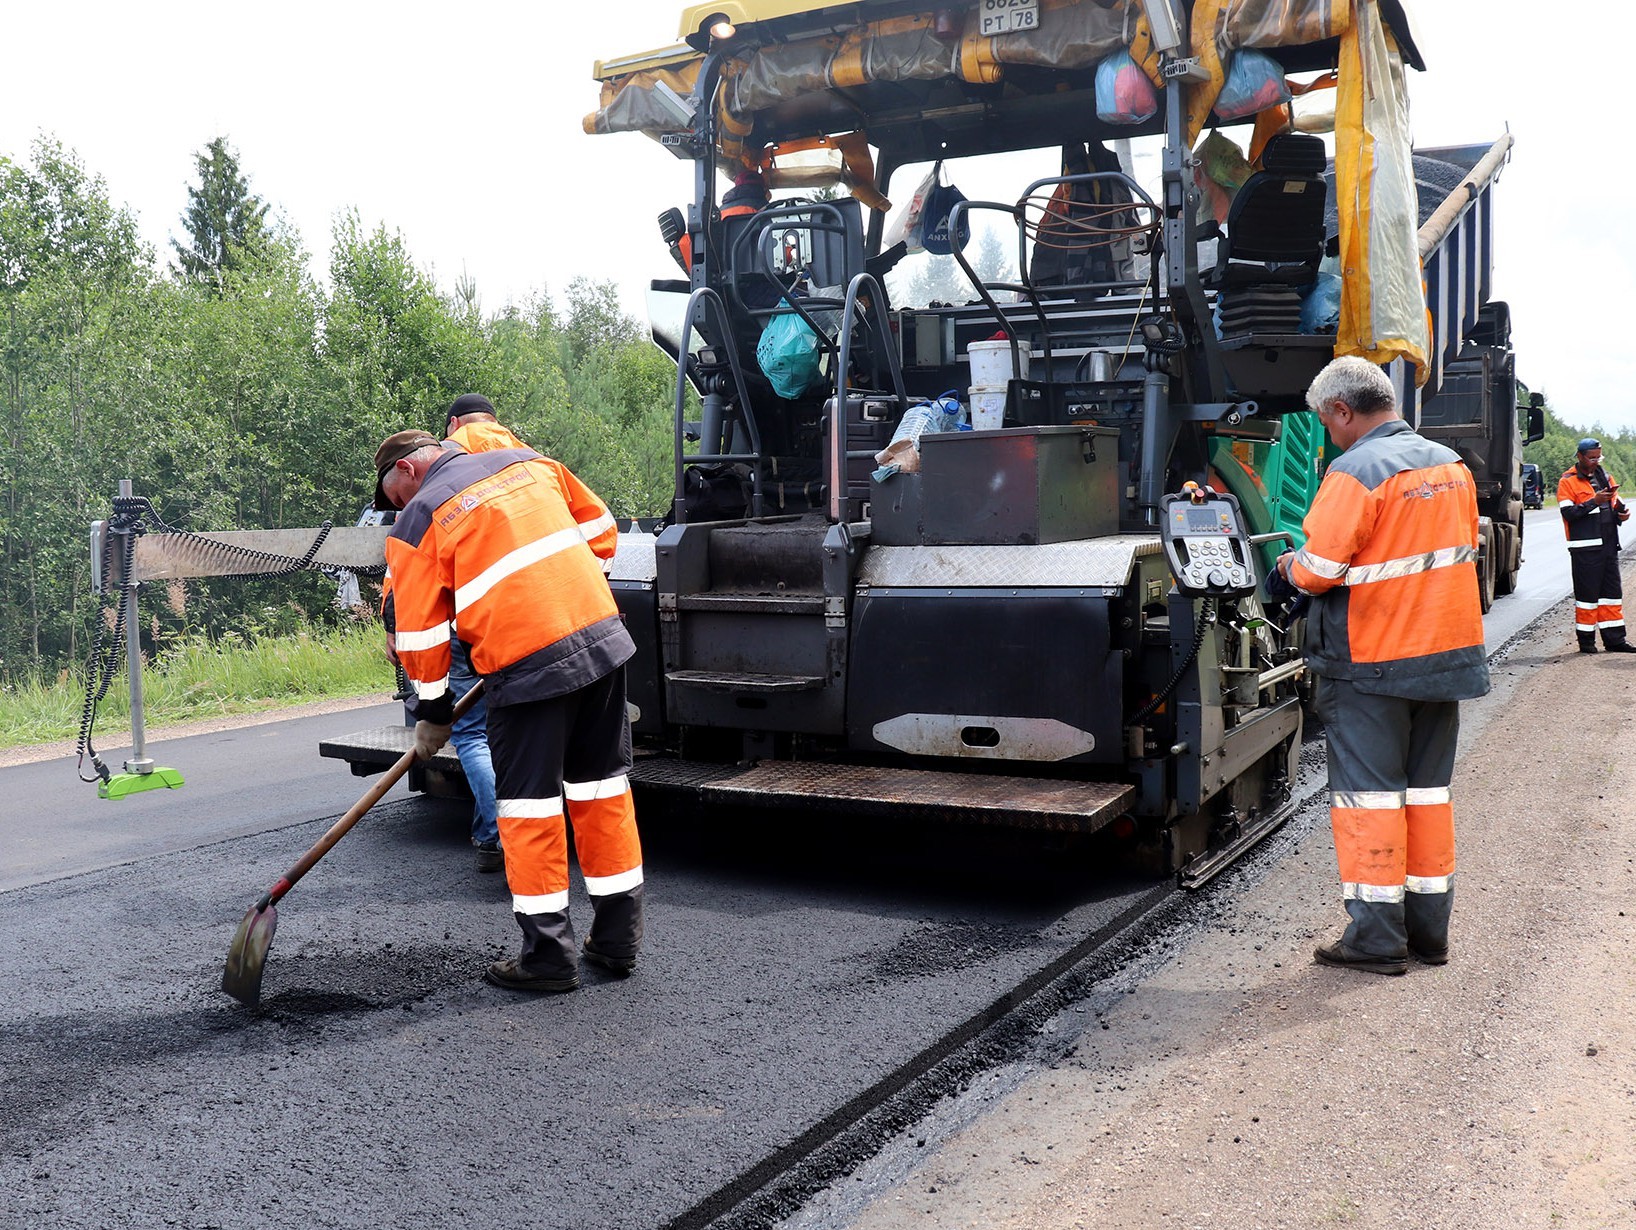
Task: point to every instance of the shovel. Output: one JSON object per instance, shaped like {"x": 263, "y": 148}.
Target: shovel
{"x": 248, "y": 953}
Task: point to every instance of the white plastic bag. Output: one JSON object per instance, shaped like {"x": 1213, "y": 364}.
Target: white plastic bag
{"x": 905, "y": 228}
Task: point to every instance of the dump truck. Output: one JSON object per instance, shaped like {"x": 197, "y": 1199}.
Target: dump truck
{"x": 1055, "y": 622}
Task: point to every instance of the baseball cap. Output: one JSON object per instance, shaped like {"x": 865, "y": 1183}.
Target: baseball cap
{"x": 1587, "y": 444}
{"x": 394, "y": 449}
{"x": 467, "y": 403}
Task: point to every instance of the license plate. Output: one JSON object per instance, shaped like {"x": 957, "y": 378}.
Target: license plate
{"x": 1007, "y": 16}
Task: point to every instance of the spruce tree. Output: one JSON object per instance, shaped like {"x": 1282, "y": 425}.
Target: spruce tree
{"x": 223, "y": 220}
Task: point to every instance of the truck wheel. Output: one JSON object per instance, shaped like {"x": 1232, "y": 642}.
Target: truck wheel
{"x": 1510, "y": 544}
{"x": 1487, "y": 561}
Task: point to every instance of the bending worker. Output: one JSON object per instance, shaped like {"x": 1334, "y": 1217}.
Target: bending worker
{"x": 470, "y": 422}
{"x": 1395, "y": 639}
{"x": 506, "y": 545}
{"x": 1592, "y": 513}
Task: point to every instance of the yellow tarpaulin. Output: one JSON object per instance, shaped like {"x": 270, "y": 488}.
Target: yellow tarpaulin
{"x": 1383, "y": 307}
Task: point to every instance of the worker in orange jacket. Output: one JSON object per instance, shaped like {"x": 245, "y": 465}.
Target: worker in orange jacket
{"x": 505, "y": 547}
{"x": 1592, "y": 513}
{"x": 1395, "y": 638}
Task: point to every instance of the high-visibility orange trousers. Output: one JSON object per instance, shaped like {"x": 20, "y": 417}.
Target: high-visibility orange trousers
{"x": 569, "y": 755}
{"x": 1390, "y": 764}
{"x": 1598, "y": 593}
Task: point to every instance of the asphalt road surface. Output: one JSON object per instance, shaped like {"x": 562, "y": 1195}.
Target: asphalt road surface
{"x": 794, "y": 973}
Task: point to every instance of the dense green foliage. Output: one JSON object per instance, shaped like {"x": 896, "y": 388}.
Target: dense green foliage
{"x": 245, "y": 390}
{"x": 1556, "y": 452}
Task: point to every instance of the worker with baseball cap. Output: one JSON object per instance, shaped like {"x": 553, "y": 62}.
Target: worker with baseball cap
{"x": 503, "y": 548}
{"x": 1592, "y": 513}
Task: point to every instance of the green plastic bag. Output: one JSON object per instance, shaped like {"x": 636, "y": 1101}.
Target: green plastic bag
{"x": 789, "y": 354}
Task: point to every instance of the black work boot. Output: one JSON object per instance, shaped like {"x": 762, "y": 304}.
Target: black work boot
{"x": 1619, "y": 646}
{"x": 1339, "y": 955}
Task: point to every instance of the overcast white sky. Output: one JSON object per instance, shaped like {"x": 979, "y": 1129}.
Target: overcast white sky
{"x": 459, "y": 125}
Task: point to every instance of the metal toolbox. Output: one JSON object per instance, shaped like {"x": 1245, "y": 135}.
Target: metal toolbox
{"x": 1015, "y": 485}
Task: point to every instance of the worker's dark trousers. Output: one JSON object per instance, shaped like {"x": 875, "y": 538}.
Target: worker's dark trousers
{"x": 569, "y": 753}
{"x": 1390, "y": 764}
{"x": 1598, "y": 594}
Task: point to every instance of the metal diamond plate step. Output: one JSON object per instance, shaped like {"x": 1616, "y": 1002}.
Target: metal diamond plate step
{"x": 380, "y": 746}
{"x": 981, "y": 798}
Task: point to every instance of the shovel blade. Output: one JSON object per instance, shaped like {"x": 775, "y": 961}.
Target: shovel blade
{"x": 248, "y": 954}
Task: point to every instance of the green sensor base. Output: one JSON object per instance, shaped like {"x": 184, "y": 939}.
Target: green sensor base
{"x": 121, "y": 784}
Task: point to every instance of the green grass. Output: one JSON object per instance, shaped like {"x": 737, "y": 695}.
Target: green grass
{"x": 195, "y": 678}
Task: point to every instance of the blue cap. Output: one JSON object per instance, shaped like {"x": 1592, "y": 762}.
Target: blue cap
{"x": 1587, "y": 444}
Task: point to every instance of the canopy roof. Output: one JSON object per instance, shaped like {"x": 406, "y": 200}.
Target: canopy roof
{"x": 921, "y": 89}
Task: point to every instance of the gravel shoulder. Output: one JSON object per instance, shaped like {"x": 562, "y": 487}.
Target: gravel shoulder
{"x": 1242, "y": 1085}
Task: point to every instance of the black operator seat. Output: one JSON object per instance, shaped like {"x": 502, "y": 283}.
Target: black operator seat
{"x": 1274, "y": 239}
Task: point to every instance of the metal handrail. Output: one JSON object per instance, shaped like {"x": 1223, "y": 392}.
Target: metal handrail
{"x": 838, "y": 452}
{"x": 761, "y": 227}
{"x": 708, "y": 298}
{"x": 1019, "y": 216}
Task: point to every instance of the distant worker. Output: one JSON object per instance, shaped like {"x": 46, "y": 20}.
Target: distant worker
{"x": 506, "y": 545}
{"x": 1592, "y": 513}
{"x": 1395, "y": 638}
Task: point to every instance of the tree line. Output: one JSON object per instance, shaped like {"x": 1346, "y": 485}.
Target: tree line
{"x": 1555, "y": 453}
{"x": 239, "y": 390}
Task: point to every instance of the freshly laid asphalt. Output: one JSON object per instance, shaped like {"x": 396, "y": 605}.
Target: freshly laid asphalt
{"x": 792, "y": 965}
{"x": 785, "y": 971}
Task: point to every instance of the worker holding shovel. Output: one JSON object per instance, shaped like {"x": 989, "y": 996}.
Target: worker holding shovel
{"x": 507, "y": 545}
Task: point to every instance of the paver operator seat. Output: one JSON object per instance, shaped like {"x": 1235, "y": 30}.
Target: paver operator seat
{"x": 1274, "y": 239}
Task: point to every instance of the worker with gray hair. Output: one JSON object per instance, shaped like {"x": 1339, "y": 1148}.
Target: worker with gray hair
{"x": 1395, "y": 639}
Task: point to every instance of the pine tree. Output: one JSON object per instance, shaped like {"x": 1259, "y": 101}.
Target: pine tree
{"x": 224, "y": 220}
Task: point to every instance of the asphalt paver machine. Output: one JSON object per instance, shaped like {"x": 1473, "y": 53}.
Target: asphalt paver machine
{"x": 1053, "y": 622}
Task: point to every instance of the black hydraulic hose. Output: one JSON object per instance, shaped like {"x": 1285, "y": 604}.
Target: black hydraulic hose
{"x": 1207, "y": 616}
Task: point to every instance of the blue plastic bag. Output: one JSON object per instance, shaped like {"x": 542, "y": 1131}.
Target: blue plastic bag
{"x": 934, "y": 218}
{"x": 1254, "y": 82}
{"x": 789, "y": 354}
{"x": 1124, "y": 95}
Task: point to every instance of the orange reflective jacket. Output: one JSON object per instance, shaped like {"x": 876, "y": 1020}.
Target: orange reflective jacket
{"x": 1392, "y": 553}
{"x": 1587, "y": 523}
{"x": 507, "y": 545}
{"x": 484, "y": 438}
{"x": 474, "y": 438}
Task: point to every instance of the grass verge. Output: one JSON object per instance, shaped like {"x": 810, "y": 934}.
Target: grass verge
{"x": 195, "y": 678}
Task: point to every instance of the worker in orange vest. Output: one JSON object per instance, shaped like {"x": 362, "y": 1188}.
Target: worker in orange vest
{"x": 1592, "y": 513}
{"x": 507, "y": 546}
{"x": 1395, "y": 639}
{"x": 471, "y": 423}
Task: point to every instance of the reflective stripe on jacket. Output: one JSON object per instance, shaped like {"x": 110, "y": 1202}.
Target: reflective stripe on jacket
{"x": 506, "y": 544}
{"x": 1587, "y": 523}
{"x": 1391, "y": 552}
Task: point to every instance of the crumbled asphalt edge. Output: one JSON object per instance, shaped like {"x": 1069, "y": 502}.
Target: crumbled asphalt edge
{"x": 1011, "y": 1032}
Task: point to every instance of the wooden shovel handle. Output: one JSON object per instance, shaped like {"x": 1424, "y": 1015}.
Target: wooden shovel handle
{"x": 356, "y": 812}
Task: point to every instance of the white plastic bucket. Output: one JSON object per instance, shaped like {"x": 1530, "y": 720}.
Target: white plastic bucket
{"x": 991, "y": 362}
{"x": 987, "y": 407}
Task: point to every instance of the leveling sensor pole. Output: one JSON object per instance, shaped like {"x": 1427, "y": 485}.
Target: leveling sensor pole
{"x": 140, "y": 771}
